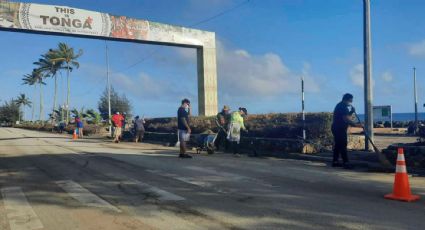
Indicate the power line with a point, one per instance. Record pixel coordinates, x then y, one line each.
91 91
221 13
195 24
149 55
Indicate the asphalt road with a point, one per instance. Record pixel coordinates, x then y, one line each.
50 182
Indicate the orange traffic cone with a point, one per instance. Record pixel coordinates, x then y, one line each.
74 135
401 189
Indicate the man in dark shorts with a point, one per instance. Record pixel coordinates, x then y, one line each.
139 129
342 119
184 130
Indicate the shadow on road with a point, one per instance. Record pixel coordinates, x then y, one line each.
252 206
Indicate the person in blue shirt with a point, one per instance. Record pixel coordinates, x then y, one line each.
342 119
80 126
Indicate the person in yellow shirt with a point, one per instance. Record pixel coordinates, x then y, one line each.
235 127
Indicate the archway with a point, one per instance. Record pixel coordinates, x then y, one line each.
69 21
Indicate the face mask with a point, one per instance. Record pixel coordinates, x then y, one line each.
186 108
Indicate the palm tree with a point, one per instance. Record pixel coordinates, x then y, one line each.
49 66
22 101
80 113
94 116
68 57
36 77
29 80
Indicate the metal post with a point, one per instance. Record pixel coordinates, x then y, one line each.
302 106
415 98
367 73
109 89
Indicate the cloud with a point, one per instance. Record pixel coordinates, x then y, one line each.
147 87
143 85
417 49
311 85
245 75
387 76
357 75
242 74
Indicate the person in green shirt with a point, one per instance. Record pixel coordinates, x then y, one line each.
235 127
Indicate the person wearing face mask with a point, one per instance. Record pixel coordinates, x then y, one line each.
342 119
235 127
184 130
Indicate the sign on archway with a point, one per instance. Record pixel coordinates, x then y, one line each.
69 21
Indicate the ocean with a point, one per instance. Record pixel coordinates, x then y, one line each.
402 116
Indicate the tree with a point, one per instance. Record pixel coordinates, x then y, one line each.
36 77
68 57
94 116
50 67
79 113
22 100
29 80
118 104
9 112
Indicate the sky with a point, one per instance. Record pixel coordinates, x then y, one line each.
263 49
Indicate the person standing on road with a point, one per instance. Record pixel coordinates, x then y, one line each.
80 127
222 121
184 130
342 119
236 124
139 129
117 120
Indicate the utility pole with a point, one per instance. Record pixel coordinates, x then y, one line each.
367 73
109 89
302 106
415 98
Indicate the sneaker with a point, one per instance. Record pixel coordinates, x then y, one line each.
185 156
237 155
336 164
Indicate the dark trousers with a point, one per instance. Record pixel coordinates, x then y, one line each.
235 147
221 138
340 145
139 135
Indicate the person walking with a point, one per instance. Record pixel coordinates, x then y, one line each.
139 129
222 121
117 121
342 119
235 127
184 130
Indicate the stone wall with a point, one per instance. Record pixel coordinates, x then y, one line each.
267 132
414 154
356 142
253 145
276 125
